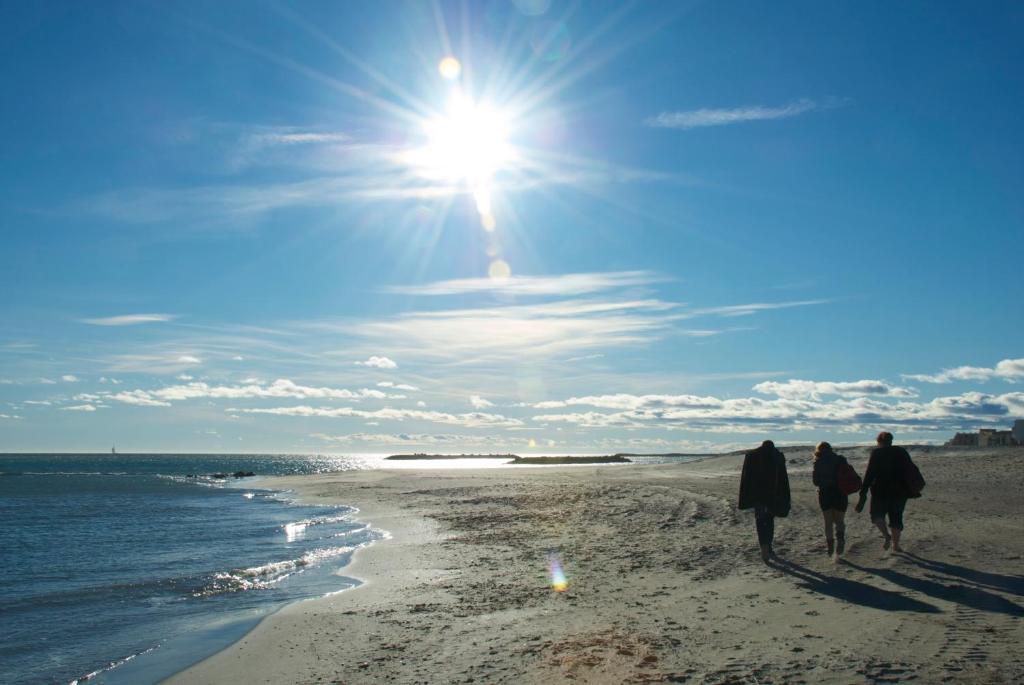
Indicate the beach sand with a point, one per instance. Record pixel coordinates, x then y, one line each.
664 582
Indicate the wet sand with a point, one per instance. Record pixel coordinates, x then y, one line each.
664 582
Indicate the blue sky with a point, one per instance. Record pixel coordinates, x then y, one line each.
648 227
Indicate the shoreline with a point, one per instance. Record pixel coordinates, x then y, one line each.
373 573
663 582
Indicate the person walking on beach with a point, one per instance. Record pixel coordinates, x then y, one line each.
764 487
885 478
831 498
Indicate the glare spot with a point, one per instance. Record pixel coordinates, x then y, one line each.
449 68
499 269
489 224
559 583
533 443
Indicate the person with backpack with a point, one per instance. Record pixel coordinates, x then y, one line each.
764 487
886 477
831 474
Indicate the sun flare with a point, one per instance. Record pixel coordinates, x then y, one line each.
467 143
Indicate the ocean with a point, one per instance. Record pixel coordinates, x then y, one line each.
122 569
126 569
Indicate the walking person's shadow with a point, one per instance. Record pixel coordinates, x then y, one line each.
992 581
973 597
853 591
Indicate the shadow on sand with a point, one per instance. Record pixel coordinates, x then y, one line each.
975 598
991 581
853 591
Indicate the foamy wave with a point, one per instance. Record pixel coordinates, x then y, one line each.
112 665
262 577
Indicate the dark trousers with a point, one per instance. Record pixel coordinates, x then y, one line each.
765 521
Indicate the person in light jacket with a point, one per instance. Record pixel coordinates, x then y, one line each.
764 487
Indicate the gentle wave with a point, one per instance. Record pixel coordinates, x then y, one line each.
262 577
109 667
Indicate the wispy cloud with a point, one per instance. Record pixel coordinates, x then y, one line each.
752 308
129 319
80 407
454 440
280 388
1008 370
378 362
565 285
697 118
549 329
472 419
170 362
69 378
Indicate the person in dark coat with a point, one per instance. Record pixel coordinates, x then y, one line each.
764 487
886 480
832 500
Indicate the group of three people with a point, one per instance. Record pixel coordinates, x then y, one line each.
764 487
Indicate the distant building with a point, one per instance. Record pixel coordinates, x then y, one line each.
964 440
990 437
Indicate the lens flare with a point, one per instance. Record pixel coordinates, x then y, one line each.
449 68
559 583
499 269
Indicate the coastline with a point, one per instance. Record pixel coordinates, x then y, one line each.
664 584
381 565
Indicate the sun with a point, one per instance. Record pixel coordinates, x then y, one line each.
467 144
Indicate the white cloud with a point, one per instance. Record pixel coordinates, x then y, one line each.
421 403
13 417
479 402
80 407
445 439
472 420
280 388
129 319
378 362
753 414
42 403
112 381
397 386
798 389
184 377
238 358
720 117
47 381
1010 370
565 285
68 378
139 398
173 362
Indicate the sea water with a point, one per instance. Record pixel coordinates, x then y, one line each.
124 569
129 568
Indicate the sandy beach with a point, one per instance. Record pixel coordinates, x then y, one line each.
664 581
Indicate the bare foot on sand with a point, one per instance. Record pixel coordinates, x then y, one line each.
887 543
